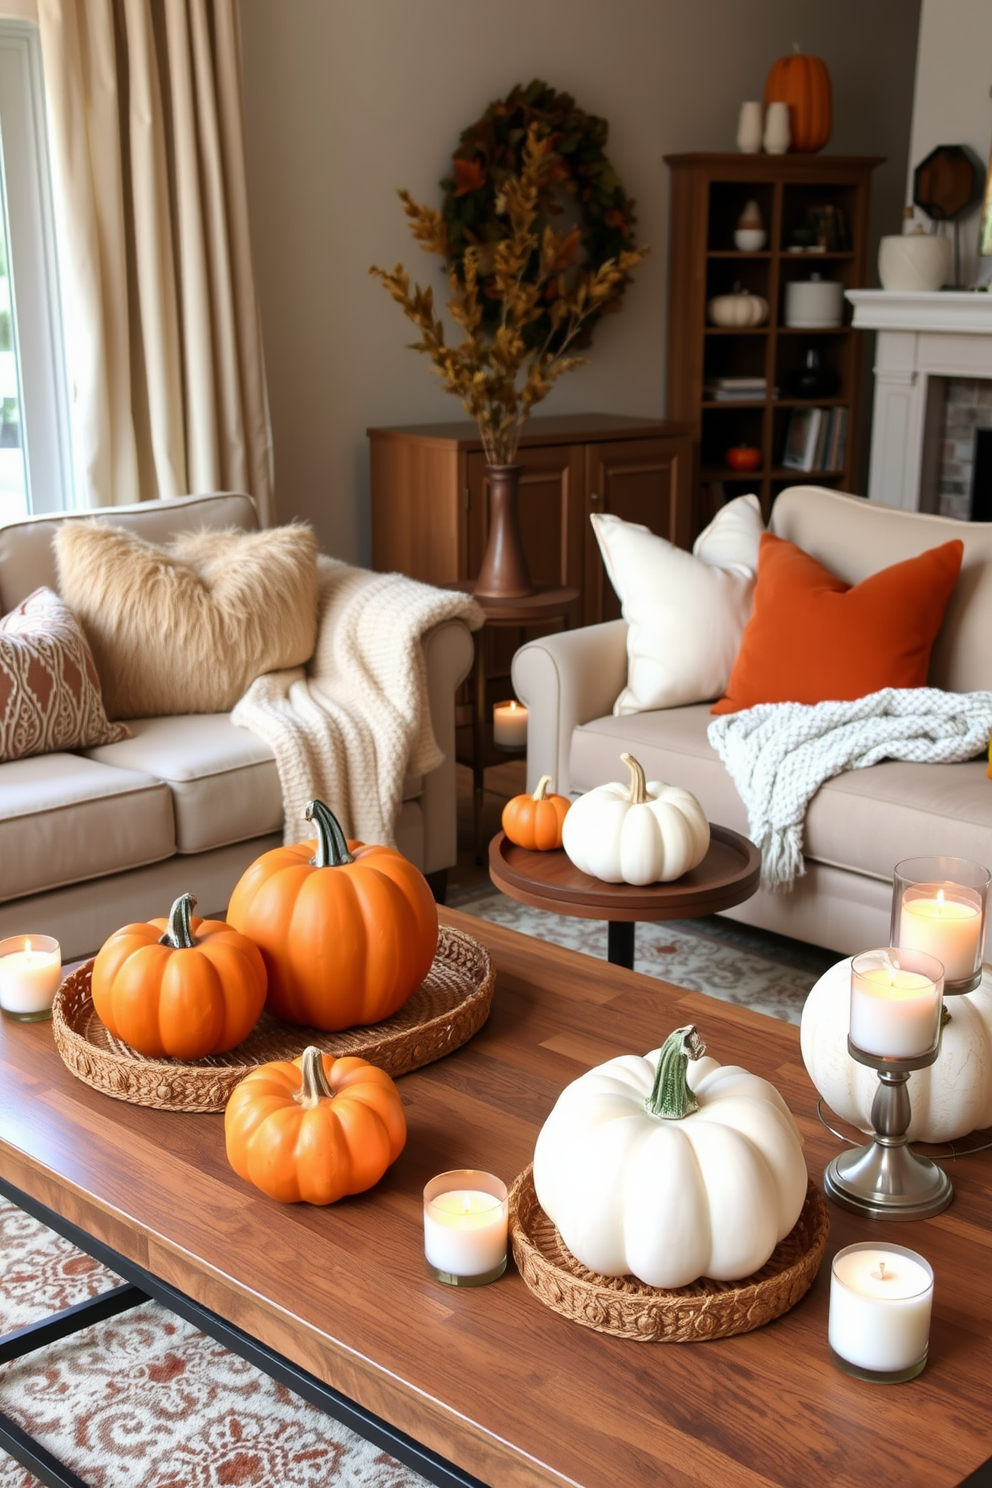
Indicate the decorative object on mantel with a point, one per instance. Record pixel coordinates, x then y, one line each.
777 136
946 184
803 83
914 262
525 294
449 1006
639 1154
750 125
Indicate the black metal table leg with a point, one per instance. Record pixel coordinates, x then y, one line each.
620 943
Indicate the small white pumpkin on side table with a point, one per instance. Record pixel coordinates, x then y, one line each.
671 1167
640 833
949 1099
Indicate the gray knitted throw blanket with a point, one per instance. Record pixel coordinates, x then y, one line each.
355 721
779 754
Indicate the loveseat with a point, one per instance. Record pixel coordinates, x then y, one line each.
92 839
860 823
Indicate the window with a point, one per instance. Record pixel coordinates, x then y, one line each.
35 438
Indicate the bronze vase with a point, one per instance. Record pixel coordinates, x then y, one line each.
504 573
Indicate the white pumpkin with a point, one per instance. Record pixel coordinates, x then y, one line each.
738 309
641 833
671 1167
949 1099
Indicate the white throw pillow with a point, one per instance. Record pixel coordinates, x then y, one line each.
686 612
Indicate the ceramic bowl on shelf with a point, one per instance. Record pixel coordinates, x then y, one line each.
750 239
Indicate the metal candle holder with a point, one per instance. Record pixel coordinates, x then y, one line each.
886 1179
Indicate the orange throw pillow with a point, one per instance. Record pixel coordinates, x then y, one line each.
812 638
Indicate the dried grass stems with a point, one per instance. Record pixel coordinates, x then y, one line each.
499 375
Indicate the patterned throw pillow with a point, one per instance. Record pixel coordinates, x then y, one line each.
49 689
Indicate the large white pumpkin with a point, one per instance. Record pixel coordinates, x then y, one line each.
639 833
949 1099
708 1189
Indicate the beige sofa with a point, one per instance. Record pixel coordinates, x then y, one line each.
861 823
92 840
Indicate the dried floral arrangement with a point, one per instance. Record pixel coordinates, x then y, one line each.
524 296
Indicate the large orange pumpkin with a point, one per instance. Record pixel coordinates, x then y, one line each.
348 931
803 83
534 821
314 1129
181 987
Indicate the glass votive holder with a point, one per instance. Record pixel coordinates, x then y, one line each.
30 974
881 1297
896 999
465 1225
940 905
510 725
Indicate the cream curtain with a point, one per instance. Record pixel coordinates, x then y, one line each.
165 349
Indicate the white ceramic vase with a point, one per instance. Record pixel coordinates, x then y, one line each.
749 128
778 135
915 262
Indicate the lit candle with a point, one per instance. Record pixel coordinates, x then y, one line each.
945 921
465 1227
30 973
895 1003
880 1303
510 725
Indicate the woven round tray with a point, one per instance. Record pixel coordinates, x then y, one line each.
624 1306
449 1006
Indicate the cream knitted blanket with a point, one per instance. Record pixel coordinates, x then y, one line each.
352 724
779 754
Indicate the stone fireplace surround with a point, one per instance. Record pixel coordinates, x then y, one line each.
923 341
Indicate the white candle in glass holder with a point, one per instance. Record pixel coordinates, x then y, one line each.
945 921
881 1298
465 1225
30 973
510 725
895 1012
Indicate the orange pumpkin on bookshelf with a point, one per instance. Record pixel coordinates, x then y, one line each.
803 82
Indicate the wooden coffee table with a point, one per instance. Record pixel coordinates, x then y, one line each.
727 875
488 1385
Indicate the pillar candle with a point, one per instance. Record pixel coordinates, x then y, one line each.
880 1302
465 1227
30 973
895 1010
510 725
945 921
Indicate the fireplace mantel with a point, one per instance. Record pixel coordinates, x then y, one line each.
922 339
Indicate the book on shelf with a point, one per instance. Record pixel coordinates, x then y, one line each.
735 389
816 439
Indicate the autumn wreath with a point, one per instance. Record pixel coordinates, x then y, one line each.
582 194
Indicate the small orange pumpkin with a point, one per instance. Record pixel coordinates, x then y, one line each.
314 1129
803 83
535 821
348 930
181 987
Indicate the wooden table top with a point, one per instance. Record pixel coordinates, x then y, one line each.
489 1377
728 875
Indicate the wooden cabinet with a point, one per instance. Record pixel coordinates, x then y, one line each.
430 504
815 213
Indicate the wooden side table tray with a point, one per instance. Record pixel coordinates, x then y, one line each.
727 875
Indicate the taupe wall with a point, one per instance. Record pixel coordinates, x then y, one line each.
346 100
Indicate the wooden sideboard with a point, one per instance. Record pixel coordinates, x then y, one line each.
430 507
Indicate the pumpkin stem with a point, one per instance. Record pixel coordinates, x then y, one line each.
313 1080
638 785
671 1098
179 934
332 847
542 786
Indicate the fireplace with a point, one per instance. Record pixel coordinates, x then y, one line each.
933 376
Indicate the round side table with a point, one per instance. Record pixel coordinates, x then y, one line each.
727 875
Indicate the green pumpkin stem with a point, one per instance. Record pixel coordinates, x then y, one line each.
332 847
313 1081
638 784
671 1098
179 934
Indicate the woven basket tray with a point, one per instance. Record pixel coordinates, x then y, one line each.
449 1006
624 1306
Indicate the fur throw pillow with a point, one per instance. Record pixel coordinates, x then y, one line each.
187 627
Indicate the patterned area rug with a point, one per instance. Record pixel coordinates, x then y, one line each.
146 1401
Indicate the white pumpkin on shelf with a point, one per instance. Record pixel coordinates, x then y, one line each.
671 1167
949 1099
738 310
639 833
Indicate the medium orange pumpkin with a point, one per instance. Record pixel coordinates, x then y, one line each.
314 1129
182 987
534 821
803 83
348 931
